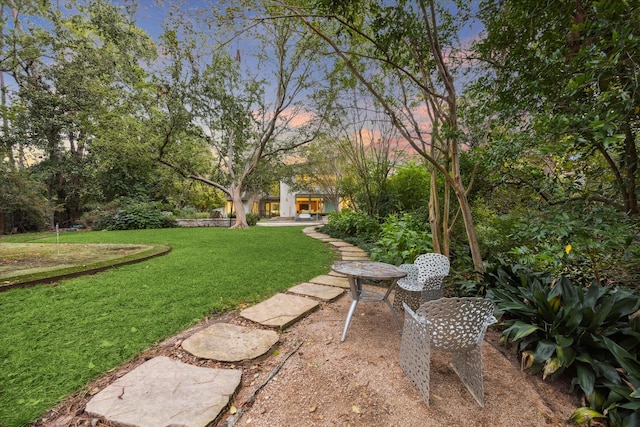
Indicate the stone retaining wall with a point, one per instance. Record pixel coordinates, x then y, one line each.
206 222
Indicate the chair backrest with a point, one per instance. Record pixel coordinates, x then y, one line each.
412 272
432 268
457 323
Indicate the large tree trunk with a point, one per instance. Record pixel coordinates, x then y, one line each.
236 199
472 237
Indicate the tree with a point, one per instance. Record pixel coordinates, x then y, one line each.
562 78
22 204
243 111
72 88
323 167
411 46
21 48
371 147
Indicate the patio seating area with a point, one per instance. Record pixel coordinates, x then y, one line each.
256 385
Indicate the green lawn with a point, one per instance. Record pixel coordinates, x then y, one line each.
55 338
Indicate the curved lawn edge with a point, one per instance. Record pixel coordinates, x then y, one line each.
71 272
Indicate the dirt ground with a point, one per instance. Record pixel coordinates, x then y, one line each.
312 379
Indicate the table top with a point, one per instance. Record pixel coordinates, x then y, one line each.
369 269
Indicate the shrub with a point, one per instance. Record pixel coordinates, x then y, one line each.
352 224
135 216
589 243
402 239
591 333
252 219
187 212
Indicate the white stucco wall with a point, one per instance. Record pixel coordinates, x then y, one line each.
287 201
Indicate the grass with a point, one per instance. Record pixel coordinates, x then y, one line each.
56 338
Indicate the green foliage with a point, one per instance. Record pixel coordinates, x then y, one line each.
22 201
349 224
586 243
136 216
252 219
402 239
80 90
562 97
591 333
189 212
495 231
410 184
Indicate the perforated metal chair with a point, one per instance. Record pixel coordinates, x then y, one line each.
427 285
454 325
410 281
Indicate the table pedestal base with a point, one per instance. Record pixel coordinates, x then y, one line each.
358 294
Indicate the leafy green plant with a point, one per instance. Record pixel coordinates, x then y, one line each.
252 219
402 239
588 243
591 333
136 216
350 224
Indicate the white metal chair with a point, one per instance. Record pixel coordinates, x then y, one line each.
424 281
408 282
454 325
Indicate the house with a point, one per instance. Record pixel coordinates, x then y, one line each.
287 204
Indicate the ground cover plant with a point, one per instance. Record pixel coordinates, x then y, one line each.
590 333
56 338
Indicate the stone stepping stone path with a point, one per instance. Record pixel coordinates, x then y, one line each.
280 311
225 342
324 293
166 392
329 280
355 258
341 244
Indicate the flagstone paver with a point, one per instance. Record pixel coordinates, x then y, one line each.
322 292
317 235
340 244
326 279
355 258
327 239
351 249
166 392
280 310
336 274
225 342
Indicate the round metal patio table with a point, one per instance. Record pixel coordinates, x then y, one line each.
356 271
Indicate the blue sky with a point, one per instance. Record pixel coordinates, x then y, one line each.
151 14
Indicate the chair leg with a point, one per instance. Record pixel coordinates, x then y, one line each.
415 355
468 365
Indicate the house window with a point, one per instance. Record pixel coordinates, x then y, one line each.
272 209
309 204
